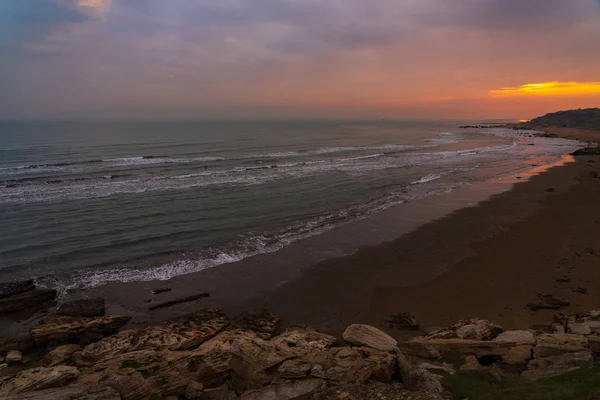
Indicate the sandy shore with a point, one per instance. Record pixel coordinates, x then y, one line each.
492 259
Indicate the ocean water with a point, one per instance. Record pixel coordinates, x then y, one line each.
83 204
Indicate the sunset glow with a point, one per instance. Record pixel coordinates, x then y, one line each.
549 89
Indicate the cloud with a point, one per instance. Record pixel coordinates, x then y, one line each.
549 89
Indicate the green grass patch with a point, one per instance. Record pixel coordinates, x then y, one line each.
131 364
578 385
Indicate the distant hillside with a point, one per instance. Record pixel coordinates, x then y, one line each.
588 118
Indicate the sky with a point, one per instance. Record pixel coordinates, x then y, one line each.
460 59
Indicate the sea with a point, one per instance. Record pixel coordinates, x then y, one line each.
88 203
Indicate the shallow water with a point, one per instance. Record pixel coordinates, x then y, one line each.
87 203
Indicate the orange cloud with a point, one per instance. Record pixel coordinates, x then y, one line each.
549 89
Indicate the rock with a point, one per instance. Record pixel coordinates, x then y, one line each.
490 372
60 354
39 379
553 344
261 322
558 365
473 329
593 174
548 302
550 190
82 308
119 343
365 335
194 390
421 380
13 356
31 299
61 329
286 391
372 391
403 321
69 393
579 329
9 289
516 337
450 349
518 355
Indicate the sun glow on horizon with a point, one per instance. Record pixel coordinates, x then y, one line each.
549 89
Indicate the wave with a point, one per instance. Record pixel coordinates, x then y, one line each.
427 178
237 249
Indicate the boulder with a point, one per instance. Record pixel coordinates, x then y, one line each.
39 379
261 322
579 329
594 343
13 356
286 391
82 308
473 329
68 393
366 335
28 300
61 329
553 344
517 337
60 354
518 355
403 321
558 365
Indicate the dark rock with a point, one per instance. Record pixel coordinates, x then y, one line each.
9 289
580 290
29 300
403 321
566 279
550 190
548 302
261 322
82 308
593 174
179 301
161 290
590 250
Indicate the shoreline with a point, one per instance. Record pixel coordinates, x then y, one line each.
404 251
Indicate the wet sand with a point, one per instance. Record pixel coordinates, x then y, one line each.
491 261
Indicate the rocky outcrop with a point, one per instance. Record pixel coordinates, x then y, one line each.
82 308
23 295
549 344
39 379
517 337
403 321
68 393
61 329
260 322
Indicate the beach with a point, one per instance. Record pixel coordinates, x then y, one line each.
486 254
